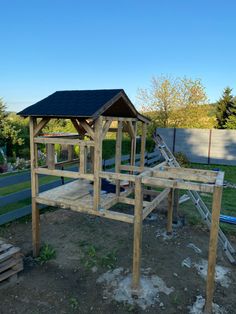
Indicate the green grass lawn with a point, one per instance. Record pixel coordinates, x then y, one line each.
25 185
16 205
8 174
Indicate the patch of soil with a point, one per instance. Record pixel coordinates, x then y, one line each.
87 247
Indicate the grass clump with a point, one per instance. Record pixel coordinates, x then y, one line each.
94 257
47 253
74 304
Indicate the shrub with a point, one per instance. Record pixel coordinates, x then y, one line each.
182 159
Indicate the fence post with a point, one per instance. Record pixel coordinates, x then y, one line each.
209 147
174 136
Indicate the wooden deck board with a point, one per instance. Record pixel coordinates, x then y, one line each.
77 193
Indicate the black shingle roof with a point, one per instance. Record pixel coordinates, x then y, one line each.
84 104
78 103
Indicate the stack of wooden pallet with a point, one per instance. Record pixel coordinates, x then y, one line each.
11 262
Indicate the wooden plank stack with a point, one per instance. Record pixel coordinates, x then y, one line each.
11 261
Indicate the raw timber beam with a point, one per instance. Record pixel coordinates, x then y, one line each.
40 126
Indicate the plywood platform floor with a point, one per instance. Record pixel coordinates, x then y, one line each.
78 196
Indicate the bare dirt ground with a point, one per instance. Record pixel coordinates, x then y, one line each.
87 247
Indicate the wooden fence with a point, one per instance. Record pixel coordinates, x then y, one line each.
202 145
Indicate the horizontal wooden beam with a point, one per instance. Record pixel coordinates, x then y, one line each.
183 175
132 168
148 171
64 173
130 201
153 204
81 208
62 141
209 173
116 176
120 119
201 187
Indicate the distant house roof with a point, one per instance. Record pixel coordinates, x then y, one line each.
84 104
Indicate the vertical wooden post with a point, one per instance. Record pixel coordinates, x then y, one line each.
34 190
118 154
133 146
215 217
50 156
81 159
36 165
137 246
143 145
170 211
176 206
92 158
70 152
97 162
85 158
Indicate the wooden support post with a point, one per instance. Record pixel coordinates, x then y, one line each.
50 156
85 158
36 166
133 146
118 154
215 217
137 248
143 145
97 162
70 152
82 159
34 191
92 158
170 211
176 206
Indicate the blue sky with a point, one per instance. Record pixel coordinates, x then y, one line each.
56 45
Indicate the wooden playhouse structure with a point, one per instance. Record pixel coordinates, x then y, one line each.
93 113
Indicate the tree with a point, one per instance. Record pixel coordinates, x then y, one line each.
195 116
167 98
226 108
8 132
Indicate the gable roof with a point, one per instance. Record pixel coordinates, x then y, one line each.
84 104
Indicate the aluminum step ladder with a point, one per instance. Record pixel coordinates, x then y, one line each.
196 199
